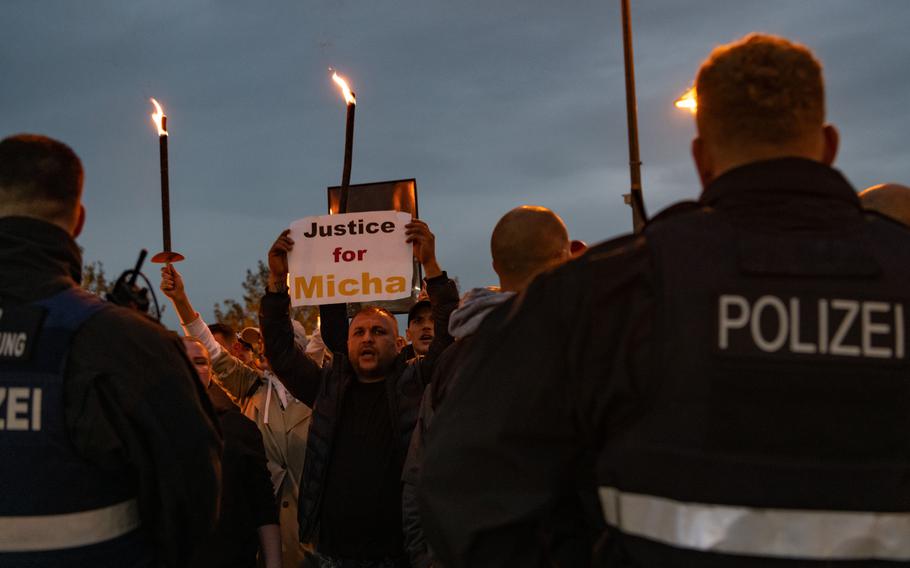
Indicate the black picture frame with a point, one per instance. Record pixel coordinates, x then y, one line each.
393 195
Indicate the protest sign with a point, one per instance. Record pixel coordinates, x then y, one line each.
354 257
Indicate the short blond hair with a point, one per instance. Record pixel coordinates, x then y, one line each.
761 89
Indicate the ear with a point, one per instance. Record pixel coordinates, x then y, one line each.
704 162
577 248
831 143
80 221
407 334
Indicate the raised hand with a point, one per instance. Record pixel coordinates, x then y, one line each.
172 282
172 286
424 241
278 260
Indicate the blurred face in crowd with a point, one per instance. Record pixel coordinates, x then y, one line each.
225 340
199 356
243 351
420 331
372 345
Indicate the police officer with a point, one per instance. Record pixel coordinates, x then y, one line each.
110 453
735 379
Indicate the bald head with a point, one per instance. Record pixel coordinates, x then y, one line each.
526 241
889 199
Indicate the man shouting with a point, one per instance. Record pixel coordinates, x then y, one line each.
364 410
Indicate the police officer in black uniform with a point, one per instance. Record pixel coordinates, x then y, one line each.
735 378
109 453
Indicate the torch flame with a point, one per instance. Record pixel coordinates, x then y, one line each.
348 95
158 118
688 101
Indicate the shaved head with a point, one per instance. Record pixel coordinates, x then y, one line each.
889 199
526 241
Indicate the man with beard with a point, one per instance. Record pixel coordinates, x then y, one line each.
364 409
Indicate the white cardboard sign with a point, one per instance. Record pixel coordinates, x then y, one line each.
354 257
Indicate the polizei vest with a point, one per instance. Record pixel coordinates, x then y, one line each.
779 428
55 508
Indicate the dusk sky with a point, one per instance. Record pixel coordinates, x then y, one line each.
488 105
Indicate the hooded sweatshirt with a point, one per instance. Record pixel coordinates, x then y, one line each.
473 309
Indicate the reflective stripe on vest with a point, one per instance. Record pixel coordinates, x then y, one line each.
785 533
71 530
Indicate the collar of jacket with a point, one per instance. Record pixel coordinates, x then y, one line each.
808 178
37 259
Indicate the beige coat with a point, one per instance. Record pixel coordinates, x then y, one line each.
284 437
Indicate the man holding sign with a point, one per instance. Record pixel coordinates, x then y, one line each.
365 404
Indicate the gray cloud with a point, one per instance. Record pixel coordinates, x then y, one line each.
487 104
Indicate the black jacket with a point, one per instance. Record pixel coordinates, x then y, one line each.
597 344
324 388
132 399
247 497
444 374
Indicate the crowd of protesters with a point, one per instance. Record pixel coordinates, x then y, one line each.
726 387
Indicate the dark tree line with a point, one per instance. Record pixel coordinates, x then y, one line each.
236 313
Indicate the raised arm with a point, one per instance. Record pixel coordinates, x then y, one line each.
290 363
172 286
442 291
233 376
333 326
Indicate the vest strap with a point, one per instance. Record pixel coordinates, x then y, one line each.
783 533
70 530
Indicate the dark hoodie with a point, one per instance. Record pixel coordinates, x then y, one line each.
132 403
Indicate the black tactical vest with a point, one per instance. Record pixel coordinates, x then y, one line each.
56 509
779 432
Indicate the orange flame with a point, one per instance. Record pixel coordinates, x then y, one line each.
348 95
158 118
688 101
